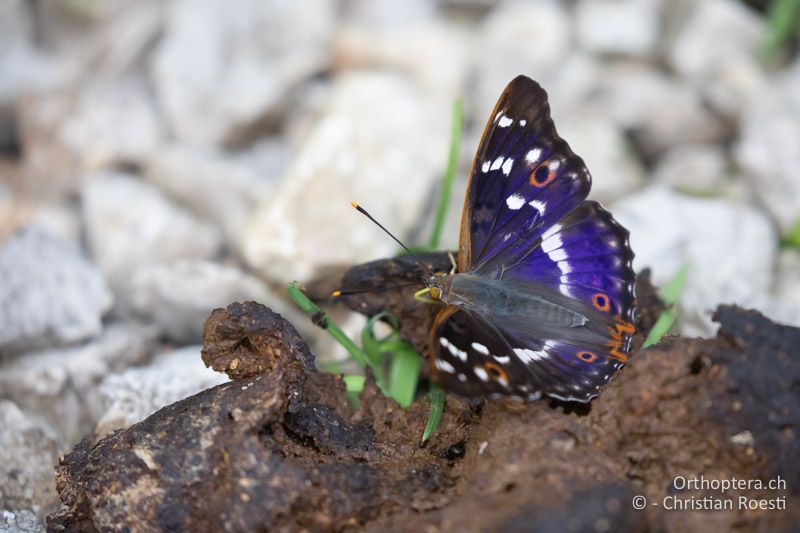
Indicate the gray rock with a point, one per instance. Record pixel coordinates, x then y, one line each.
531 38
733 86
23 67
68 134
178 297
130 224
384 15
23 521
133 395
436 54
219 188
629 27
28 453
60 385
769 147
694 168
606 151
93 128
50 294
211 95
713 34
385 155
659 111
729 249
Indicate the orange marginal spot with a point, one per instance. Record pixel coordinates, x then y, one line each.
601 301
618 331
495 371
587 357
534 175
618 355
336 294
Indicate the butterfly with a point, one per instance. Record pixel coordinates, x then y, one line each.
542 300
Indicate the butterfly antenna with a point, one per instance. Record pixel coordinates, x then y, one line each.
338 293
389 233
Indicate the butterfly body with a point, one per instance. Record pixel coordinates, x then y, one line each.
543 298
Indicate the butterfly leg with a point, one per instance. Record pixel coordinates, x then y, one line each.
452 262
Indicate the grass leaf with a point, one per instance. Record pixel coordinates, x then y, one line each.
353 384
670 294
404 374
320 317
783 19
437 397
792 240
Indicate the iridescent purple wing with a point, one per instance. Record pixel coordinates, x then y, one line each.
525 178
586 256
526 221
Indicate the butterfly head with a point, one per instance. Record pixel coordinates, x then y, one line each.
439 286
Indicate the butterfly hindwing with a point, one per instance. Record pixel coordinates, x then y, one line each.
585 256
475 357
524 178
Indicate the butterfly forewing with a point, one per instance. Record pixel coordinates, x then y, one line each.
524 178
526 223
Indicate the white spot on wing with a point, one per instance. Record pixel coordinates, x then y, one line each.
497 162
507 166
455 352
554 229
523 122
515 201
528 356
538 205
478 347
444 366
481 373
462 378
533 155
505 122
502 359
485 166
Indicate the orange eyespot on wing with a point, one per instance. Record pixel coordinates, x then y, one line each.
587 357
496 373
542 174
601 302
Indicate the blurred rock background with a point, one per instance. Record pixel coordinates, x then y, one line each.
159 159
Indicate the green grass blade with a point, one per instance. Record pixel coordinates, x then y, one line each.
437 397
404 375
449 177
783 19
792 240
353 384
307 306
670 294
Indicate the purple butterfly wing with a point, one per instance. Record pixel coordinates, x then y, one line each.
525 178
526 221
474 357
